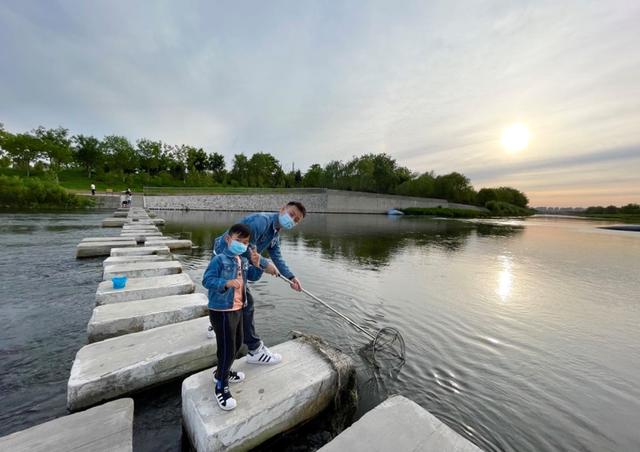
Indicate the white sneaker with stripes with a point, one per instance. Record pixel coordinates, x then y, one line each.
234 377
263 356
224 398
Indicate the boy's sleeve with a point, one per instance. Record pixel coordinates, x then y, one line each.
211 278
276 256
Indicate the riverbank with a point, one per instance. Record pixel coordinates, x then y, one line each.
37 194
316 200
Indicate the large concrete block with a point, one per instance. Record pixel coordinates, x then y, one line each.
124 364
142 269
138 227
107 428
115 238
142 288
399 424
123 318
141 251
174 244
118 260
271 400
141 233
113 222
93 249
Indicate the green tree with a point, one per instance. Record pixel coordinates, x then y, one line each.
630 209
217 166
313 177
119 154
240 170
455 187
22 149
422 185
150 155
197 160
265 171
87 152
176 157
56 147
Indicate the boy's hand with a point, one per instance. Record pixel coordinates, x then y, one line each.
233 283
255 257
295 284
271 269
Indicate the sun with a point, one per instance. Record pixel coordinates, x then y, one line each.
515 138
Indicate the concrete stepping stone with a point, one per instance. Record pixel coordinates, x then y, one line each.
271 400
142 269
114 260
141 233
173 244
108 369
107 428
113 222
93 249
399 424
123 318
142 288
113 238
141 251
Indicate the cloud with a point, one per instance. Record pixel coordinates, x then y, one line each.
431 83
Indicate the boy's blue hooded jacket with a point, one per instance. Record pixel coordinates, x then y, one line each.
222 268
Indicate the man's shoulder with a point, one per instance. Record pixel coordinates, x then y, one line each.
258 218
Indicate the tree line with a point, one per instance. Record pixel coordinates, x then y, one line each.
166 164
629 209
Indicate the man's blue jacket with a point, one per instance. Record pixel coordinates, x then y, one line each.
264 236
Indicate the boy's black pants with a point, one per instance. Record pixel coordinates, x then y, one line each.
228 328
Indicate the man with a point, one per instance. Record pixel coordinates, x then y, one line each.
265 235
93 189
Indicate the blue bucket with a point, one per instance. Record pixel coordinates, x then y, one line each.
119 282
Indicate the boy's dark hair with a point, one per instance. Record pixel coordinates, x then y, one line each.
242 230
300 207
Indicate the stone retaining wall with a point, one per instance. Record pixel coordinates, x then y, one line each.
321 201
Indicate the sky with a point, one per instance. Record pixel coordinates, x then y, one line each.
433 84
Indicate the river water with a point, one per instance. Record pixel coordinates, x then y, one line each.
521 335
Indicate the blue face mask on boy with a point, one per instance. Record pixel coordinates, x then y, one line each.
236 248
286 221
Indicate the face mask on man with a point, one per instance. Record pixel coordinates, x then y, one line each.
286 221
236 248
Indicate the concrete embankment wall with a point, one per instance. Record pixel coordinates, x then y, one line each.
320 201
102 201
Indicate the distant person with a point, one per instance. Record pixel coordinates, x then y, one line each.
93 189
129 200
265 235
128 192
226 280
123 201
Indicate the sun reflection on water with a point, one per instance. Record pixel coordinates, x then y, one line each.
505 279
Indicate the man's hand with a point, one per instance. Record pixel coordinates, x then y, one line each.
271 269
296 285
255 257
233 283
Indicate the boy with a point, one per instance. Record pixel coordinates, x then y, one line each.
226 280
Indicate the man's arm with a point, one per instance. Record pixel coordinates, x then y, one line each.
276 257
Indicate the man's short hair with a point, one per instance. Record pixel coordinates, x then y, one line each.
300 207
241 230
